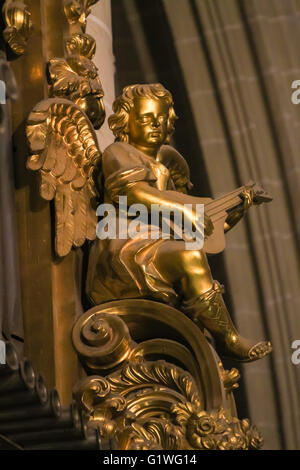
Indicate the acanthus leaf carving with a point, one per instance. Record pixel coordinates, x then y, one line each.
146 406
77 11
18 25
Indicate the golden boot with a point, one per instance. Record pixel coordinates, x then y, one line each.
209 311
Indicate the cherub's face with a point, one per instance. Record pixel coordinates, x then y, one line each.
148 123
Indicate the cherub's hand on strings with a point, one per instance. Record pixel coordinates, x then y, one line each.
247 196
208 226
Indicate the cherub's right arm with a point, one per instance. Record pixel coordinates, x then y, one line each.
127 174
143 193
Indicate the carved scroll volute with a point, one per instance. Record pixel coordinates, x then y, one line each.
102 341
143 403
18 25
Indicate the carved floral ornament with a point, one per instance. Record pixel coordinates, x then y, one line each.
81 44
146 404
18 25
118 406
77 11
181 401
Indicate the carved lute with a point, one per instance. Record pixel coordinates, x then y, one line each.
217 210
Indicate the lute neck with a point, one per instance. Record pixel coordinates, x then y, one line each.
224 203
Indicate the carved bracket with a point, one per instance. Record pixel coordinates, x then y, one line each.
156 405
152 404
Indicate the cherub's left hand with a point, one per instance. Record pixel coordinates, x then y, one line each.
247 196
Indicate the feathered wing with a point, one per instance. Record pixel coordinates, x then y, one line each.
65 152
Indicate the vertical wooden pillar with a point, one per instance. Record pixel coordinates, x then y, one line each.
48 286
50 293
33 214
65 305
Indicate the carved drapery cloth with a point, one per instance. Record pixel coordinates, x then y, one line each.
231 66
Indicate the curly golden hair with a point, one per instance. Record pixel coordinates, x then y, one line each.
124 103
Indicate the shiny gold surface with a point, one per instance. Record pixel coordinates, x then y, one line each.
154 405
157 331
76 79
230 378
65 174
33 216
63 143
18 25
50 298
164 385
77 11
101 341
49 292
81 44
141 166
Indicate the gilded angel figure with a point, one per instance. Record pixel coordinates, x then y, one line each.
142 166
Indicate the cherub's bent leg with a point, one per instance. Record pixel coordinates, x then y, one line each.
189 271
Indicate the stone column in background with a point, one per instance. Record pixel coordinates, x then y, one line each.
99 26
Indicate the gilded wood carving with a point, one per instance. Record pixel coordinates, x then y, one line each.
62 140
118 405
18 25
183 398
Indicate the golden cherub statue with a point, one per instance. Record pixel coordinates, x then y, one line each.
142 166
